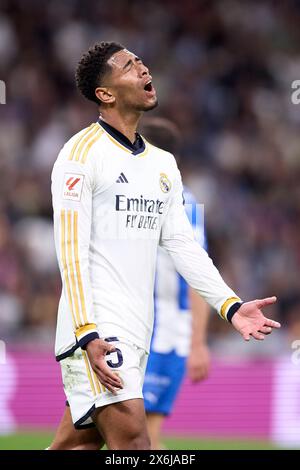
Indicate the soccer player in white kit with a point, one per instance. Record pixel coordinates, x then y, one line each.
115 198
181 318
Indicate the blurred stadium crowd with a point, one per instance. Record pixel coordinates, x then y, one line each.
223 71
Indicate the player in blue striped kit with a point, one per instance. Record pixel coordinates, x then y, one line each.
181 316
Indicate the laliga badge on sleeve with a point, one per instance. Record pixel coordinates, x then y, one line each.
72 187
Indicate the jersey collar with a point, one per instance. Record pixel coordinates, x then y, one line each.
136 148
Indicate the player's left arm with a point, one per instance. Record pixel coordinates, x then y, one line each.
194 264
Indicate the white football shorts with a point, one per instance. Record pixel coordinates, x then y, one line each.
83 390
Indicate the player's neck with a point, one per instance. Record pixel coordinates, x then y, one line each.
126 124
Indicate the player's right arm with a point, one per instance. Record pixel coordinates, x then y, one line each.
72 194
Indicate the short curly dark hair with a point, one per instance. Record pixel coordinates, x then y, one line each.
93 66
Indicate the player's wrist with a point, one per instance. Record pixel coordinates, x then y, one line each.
88 339
86 333
230 306
232 311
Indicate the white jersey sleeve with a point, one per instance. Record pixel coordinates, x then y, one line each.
190 259
72 188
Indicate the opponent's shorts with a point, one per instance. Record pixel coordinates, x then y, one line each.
85 393
164 375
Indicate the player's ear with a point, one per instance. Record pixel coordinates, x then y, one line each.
105 95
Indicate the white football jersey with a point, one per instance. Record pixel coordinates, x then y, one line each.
114 202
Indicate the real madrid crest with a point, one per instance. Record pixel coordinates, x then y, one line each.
165 183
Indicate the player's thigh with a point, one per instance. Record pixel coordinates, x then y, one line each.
123 425
86 395
69 438
121 418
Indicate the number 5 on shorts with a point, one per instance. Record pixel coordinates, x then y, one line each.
119 362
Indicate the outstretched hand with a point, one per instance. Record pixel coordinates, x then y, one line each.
97 350
250 321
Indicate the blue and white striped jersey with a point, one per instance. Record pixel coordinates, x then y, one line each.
172 324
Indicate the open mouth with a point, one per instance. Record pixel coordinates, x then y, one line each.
148 86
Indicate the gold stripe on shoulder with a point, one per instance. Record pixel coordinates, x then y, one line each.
84 141
89 145
79 139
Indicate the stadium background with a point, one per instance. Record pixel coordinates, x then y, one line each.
223 71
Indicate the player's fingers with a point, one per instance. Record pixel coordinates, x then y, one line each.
267 301
272 323
198 374
114 383
106 373
204 372
203 375
257 335
245 335
266 330
108 384
109 348
109 387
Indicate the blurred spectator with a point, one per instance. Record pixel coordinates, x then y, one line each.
223 71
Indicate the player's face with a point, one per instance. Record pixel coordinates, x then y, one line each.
131 82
